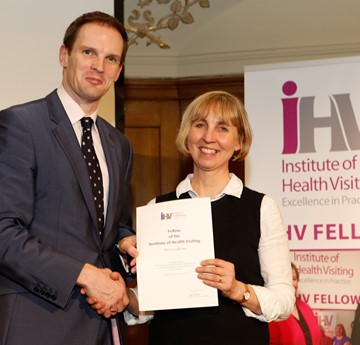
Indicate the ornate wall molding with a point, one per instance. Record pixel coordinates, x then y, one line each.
143 25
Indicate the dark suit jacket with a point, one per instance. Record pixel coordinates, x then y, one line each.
48 227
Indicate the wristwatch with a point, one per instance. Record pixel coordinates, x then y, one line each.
246 295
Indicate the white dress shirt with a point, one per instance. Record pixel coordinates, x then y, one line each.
75 114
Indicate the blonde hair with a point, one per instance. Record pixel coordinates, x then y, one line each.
228 108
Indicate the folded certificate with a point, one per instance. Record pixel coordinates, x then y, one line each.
173 238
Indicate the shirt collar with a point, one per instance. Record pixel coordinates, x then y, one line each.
234 187
73 110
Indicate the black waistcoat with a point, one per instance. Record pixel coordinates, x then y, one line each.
236 227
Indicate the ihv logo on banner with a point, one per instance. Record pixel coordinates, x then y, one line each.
300 122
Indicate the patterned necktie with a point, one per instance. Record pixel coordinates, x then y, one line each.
87 147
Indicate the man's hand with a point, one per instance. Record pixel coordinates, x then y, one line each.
105 290
133 306
128 245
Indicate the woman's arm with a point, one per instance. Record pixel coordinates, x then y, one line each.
277 297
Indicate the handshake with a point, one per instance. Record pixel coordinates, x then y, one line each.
106 290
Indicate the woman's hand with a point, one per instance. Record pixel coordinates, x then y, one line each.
220 274
128 245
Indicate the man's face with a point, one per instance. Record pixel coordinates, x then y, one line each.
93 63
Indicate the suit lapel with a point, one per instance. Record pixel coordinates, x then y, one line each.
113 169
65 135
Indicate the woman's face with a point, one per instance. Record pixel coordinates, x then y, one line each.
212 143
338 331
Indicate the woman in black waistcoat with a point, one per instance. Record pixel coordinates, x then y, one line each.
252 269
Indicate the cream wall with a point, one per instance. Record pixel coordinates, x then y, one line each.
31 33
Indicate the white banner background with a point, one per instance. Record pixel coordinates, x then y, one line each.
305 119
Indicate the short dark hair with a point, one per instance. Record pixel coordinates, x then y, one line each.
98 18
293 266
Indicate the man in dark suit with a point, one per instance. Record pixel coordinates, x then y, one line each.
55 254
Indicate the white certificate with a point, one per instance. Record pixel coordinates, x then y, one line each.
173 237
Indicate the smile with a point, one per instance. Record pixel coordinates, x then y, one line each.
94 81
206 150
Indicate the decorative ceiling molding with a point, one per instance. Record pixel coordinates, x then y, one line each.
187 65
142 25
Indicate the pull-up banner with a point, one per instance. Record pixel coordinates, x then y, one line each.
305 119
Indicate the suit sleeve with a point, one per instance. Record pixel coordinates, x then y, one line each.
125 227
